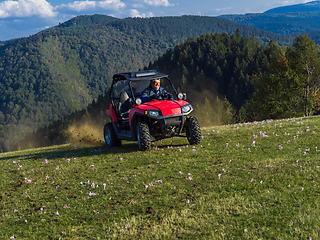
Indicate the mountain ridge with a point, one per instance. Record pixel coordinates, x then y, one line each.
292 19
280 23
313 6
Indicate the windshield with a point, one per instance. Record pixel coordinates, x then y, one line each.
139 86
119 87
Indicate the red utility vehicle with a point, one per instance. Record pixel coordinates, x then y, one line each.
133 120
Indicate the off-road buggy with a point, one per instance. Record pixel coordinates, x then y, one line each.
133 120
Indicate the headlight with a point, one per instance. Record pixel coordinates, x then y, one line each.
186 108
138 101
154 113
182 96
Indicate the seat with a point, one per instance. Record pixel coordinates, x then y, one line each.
124 106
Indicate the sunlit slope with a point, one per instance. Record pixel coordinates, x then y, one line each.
253 180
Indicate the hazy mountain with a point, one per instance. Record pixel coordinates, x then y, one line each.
303 7
280 23
293 19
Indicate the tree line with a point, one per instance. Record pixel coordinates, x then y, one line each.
258 82
290 86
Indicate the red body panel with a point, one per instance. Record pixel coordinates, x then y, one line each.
134 110
110 112
167 107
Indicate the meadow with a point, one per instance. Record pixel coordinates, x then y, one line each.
255 180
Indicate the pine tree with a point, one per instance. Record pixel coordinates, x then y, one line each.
304 57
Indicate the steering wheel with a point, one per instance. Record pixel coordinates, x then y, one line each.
165 96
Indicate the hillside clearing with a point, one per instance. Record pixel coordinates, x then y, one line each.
251 181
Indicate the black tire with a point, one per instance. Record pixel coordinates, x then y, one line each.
110 136
193 131
143 136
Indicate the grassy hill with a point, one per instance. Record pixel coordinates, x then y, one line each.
254 180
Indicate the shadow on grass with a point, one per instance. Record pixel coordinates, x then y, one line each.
67 151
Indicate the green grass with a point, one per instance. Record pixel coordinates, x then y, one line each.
268 189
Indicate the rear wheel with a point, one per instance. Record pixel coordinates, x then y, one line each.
193 131
110 136
143 136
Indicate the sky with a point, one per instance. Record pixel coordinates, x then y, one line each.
22 18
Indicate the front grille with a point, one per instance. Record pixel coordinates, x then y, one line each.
173 120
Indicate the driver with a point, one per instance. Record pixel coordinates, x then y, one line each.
153 91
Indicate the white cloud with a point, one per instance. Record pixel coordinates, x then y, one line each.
136 13
138 5
223 9
26 8
157 3
79 6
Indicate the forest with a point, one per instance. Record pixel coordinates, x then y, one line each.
227 78
47 76
253 81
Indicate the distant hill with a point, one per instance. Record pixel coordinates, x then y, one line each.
86 20
293 19
280 23
63 69
313 6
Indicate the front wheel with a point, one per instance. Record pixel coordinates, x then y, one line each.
143 136
193 131
110 136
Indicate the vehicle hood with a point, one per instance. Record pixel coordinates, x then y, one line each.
167 107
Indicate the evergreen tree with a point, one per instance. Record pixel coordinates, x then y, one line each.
304 57
275 92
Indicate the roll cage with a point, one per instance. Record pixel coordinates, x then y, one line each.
129 78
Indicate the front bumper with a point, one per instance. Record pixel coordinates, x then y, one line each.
167 126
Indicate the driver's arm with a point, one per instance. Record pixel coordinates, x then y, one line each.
146 96
162 90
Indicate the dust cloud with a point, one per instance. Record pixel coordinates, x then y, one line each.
208 107
86 133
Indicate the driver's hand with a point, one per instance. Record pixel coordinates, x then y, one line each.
155 96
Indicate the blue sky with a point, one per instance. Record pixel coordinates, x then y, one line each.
22 18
